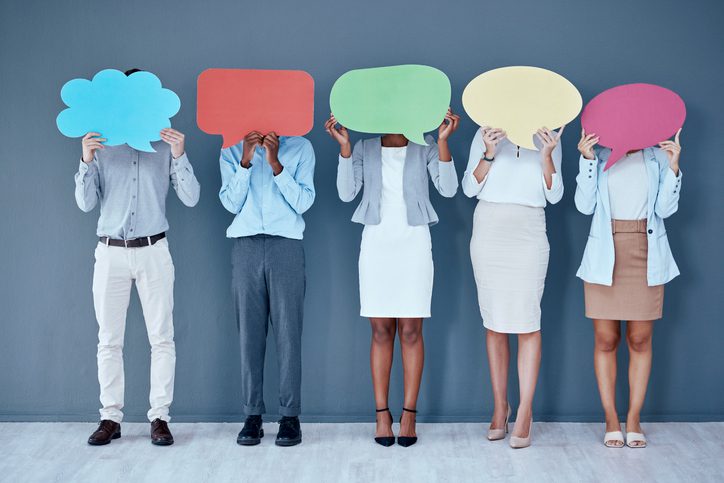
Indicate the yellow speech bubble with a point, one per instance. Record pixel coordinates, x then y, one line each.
521 100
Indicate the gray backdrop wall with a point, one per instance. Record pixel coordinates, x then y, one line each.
47 325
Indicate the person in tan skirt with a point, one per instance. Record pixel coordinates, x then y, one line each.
509 252
626 262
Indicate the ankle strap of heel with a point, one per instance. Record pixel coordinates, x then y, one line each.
381 410
410 410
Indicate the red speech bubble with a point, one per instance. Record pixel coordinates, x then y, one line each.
234 102
632 117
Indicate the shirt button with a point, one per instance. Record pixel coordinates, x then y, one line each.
134 162
650 231
134 179
131 229
589 175
133 196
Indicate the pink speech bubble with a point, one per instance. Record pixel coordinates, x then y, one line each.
632 117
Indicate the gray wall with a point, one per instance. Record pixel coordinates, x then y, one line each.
47 326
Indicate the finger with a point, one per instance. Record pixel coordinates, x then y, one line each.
583 132
560 131
91 134
676 138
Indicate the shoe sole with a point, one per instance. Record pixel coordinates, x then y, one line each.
289 442
94 443
162 443
251 441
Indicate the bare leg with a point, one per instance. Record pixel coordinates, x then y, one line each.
498 360
413 359
638 336
607 335
529 353
381 352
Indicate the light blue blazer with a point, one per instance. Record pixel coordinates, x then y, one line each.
592 198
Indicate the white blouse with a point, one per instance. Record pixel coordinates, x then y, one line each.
516 175
628 187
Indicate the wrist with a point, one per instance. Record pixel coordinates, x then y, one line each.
489 153
345 150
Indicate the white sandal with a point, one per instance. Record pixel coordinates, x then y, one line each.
610 437
635 438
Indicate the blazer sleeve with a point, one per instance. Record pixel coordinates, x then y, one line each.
442 173
471 187
667 199
555 194
350 173
587 185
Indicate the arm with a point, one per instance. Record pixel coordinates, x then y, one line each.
184 181
667 199
477 169
587 185
350 174
234 182
442 173
87 185
298 190
552 167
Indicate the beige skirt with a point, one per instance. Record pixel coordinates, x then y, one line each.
509 250
629 297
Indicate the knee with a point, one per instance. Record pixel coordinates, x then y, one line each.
383 335
607 342
410 335
639 342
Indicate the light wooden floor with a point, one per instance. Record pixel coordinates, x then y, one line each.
45 452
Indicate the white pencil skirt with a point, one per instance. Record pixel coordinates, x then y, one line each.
509 250
395 267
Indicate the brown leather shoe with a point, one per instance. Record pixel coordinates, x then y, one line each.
160 434
107 430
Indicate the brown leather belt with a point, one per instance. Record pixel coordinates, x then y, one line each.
628 226
135 243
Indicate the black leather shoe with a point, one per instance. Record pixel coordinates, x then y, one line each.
407 440
160 434
290 433
251 433
385 440
107 431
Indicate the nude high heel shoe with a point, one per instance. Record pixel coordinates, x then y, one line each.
518 442
497 434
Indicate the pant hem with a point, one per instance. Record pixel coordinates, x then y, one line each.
289 412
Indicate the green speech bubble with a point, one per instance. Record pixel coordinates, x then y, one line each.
400 99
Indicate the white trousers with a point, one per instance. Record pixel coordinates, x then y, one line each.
115 270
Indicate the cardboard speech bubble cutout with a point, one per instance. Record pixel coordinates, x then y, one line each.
123 109
234 102
633 116
400 99
520 100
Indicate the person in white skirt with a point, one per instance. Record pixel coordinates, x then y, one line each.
509 251
395 262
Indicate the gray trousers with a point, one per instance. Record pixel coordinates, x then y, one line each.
268 284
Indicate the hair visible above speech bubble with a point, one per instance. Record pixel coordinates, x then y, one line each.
234 102
520 100
401 99
632 117
124 109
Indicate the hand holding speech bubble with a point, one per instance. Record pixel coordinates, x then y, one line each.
520 100
123 109
633 116
234 102
400 99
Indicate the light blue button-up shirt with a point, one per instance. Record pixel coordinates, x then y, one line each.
264 203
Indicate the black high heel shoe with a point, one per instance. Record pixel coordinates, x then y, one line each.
406 441
385 440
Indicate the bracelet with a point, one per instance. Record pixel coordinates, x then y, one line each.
490 160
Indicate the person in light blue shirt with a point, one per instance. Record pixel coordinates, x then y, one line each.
267 182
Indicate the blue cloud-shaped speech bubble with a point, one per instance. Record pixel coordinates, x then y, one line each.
123 109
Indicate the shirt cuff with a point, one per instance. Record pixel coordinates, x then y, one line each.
180 163
283 178
555 181
588 167
85 168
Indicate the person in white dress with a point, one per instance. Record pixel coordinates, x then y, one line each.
395 262
509 252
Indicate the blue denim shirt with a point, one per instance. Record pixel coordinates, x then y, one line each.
592 198
264 203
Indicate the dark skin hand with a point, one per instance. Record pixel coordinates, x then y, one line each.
251 141
270 142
